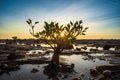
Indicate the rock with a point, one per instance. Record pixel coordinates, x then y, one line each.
67 68
82 74
77 78
102 78
6 68
34 70
89 78
65 76
62 76
105 78
93 50
72 65
47 52
55 78
107 73
59 75
84 47
38 45
13 56
39 53
5 65
106 47
93 72
86 58
78 49
38 65
117 75
93 60
112 67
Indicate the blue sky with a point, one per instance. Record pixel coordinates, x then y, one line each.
101 16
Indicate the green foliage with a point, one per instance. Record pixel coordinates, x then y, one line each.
59 35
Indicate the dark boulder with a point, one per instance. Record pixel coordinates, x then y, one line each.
34 70
112 67
13 56
107 73
93 72
106 47
77 78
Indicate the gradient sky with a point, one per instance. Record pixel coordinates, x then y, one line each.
101 16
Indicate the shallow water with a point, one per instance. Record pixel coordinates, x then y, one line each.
81 66
25 74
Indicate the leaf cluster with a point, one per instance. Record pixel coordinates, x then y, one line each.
52 32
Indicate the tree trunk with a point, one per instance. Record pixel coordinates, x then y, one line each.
55 57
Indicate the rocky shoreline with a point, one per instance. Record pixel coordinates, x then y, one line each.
12 56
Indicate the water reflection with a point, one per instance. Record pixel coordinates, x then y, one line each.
82 62
7 68
81 67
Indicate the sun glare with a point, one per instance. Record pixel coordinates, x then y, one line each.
62 34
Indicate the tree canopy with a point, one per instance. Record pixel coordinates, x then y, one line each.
57 35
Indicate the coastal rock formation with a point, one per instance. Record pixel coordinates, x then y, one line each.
107 73
77 78
34 70
94 72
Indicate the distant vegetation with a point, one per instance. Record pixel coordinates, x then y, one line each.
14 37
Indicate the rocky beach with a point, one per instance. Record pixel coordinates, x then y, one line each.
89 61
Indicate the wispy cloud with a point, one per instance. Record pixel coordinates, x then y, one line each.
98 19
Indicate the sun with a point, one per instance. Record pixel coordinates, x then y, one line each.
62 34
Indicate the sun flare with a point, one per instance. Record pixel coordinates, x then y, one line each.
62 34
